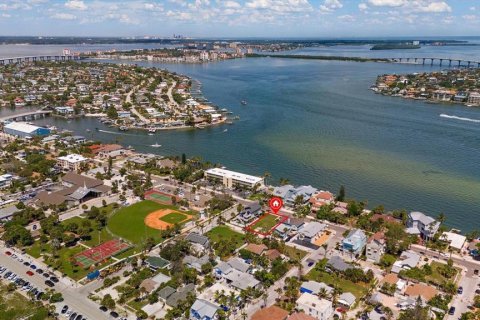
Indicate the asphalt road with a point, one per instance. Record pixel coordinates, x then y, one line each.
72 297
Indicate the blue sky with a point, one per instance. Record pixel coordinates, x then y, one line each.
240 18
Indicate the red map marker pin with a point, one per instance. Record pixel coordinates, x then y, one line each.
275 204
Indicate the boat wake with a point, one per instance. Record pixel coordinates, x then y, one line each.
443 115
117 133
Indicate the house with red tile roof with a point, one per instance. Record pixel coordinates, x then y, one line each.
270 313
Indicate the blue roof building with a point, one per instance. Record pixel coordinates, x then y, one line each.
355 242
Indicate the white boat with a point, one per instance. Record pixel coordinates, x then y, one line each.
156 145
150 134
225 130
152 130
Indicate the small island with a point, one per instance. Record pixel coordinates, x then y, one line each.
396 46
449 86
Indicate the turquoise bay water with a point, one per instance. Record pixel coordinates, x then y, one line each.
316 122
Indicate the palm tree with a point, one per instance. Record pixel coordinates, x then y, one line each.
266 176
441 218
322 293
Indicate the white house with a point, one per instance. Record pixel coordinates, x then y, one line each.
312 305
421 224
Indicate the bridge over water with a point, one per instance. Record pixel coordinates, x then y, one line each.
39 58
438 61
26 116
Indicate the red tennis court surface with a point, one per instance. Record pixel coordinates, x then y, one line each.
99 253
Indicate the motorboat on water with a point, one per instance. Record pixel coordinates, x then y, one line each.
156 145
244 102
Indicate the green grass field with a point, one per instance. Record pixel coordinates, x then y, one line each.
266 223
174 217
357 290
128 223
221 233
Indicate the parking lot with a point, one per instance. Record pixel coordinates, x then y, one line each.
29 277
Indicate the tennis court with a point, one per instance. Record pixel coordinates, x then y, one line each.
99 253
158 196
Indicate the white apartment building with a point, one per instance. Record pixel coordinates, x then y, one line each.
232 179
71 162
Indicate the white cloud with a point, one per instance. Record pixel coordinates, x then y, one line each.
76 5
64 16
330 5
362 6
232 5
470 17
425 6
435 7
346 18
387 3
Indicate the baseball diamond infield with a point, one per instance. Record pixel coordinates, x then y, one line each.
165 218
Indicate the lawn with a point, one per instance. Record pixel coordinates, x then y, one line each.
266 223
345 285
174 217
294 253
96 236
128 223
221 233
436 277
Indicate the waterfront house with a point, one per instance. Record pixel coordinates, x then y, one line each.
290 194
355 242
320 199
421 224
375 247
314 306
474 98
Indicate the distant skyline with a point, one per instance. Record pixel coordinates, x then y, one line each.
236 18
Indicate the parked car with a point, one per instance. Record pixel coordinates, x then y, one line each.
8 253
49 283
114 314
477 291
64 309
451 311
103 308
26 263
460 290
39 271
30 273
33 266
73 315
54 279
